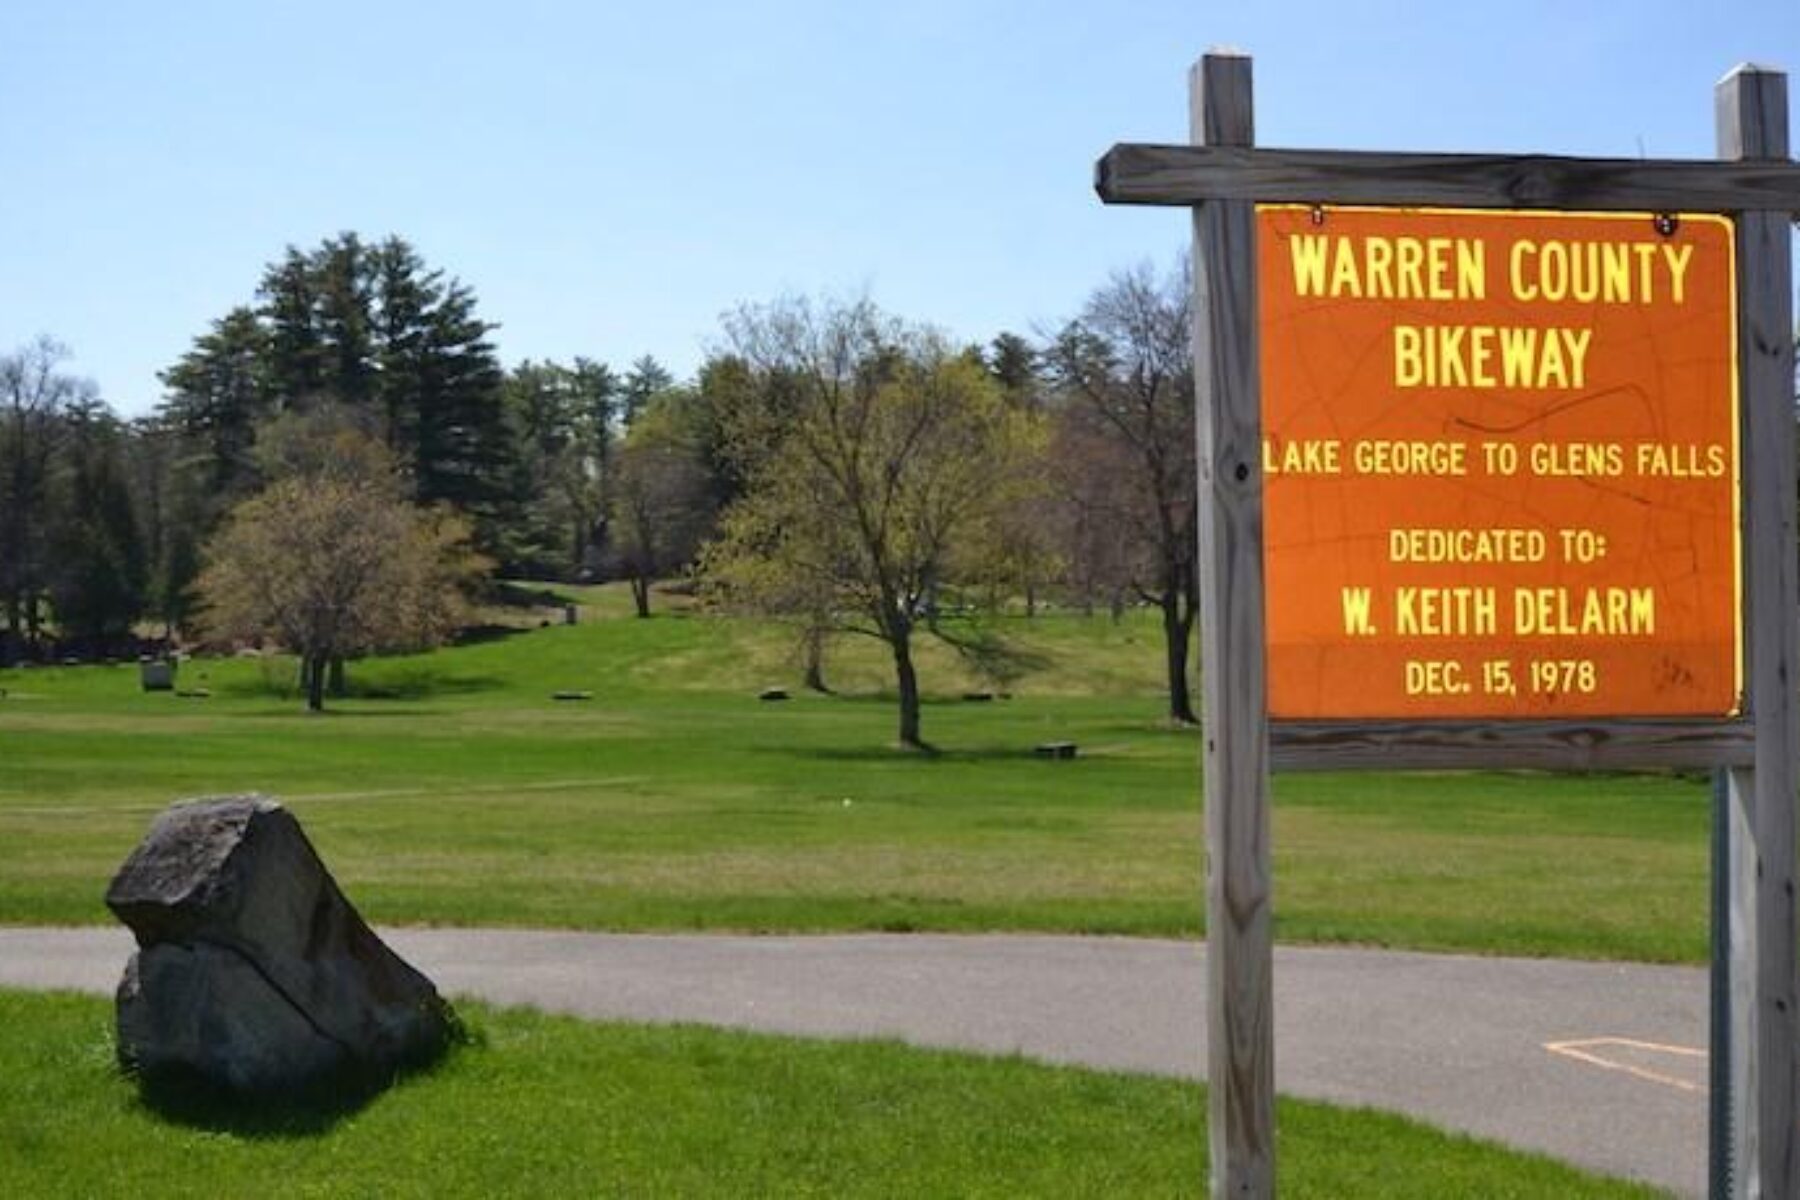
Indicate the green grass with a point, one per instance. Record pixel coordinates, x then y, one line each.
551 1106
454 790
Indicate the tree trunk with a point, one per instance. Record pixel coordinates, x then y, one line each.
909 691
13 642
334 682
1176 627
315 683
640 594
812 649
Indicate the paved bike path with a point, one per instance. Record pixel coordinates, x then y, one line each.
1595 1063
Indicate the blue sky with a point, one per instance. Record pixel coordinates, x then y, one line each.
609 178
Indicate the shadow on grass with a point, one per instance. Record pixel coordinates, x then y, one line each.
333 711
420 685
1140 727
415 684
895 753
479 635
510 594
196 1103
186 1098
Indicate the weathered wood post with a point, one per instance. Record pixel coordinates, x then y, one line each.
1555 678
1751 106
1228 428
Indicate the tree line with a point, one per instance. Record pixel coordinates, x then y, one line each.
850 471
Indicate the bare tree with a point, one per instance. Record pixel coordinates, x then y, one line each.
1095 497
1126 363
660 503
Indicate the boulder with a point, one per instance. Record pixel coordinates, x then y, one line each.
253 971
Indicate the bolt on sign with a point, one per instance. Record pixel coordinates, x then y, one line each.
1500 463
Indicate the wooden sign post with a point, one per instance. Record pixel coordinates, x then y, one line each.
1496 469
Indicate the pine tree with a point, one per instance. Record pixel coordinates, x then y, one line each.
294 358
100 566
1014 366
343 282
461 452
218 393
369 327
646 378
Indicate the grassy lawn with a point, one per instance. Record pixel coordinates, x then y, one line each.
541 1105
454 789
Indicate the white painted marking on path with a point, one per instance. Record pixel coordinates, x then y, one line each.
1587 1050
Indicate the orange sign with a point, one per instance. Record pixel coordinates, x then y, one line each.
1500 463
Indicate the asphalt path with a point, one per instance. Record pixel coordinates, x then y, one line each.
1599 1064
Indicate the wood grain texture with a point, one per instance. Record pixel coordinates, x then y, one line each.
1760 853
1222 176
1240 937
1609 745
1187 175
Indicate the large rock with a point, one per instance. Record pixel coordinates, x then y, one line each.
253 970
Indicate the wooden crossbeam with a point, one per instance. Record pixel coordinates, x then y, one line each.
1597 745
1187 175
